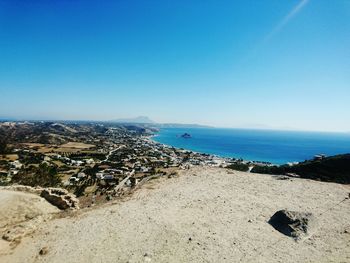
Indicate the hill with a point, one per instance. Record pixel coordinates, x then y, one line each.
330 169
203 215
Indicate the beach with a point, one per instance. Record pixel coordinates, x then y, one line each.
203 215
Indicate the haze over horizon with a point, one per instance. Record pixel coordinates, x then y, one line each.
249 64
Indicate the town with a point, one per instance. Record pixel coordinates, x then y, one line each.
97 162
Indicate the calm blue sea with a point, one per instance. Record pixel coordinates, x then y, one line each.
277 147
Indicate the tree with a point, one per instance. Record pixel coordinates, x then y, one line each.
3 146
45 175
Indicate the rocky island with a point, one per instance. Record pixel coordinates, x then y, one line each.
186 135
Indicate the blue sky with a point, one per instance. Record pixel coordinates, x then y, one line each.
256 64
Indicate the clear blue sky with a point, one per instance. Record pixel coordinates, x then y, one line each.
269 64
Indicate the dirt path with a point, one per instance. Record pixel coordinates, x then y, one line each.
204 215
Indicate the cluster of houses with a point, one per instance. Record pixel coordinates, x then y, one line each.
131 157
15 166
127 157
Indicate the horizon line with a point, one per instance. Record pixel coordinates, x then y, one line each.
2 119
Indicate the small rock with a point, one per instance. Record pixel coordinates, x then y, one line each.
6 237
43 251
190 239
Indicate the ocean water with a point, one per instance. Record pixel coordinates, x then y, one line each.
277 147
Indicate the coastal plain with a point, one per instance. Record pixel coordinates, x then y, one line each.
202 215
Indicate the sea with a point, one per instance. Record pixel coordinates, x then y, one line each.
276 147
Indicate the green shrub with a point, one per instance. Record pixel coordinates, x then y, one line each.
239 167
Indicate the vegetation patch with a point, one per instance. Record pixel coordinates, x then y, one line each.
330 169
44 175
239 167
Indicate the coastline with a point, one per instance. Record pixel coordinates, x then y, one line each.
256 146
171 197
223 158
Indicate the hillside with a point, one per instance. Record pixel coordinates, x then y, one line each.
330 169
203 215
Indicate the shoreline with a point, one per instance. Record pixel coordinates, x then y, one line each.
151 137
254 146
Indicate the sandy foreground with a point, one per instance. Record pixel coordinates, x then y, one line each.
204 215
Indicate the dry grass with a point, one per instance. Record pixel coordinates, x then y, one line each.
77 145
65 177
58 163
9 157
45 149
70 147
32 145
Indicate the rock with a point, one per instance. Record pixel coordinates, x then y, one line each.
282 177
186 135
7 237
291 223
60 198
43 251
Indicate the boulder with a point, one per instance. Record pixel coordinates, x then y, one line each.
60 198
292 224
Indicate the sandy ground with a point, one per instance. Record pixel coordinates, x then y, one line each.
204 215
20 215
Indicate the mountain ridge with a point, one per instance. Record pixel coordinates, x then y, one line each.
139 119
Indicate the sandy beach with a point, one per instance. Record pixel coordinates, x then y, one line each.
203 215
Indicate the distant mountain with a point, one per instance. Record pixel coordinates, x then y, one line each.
180 125
144 120
139 120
